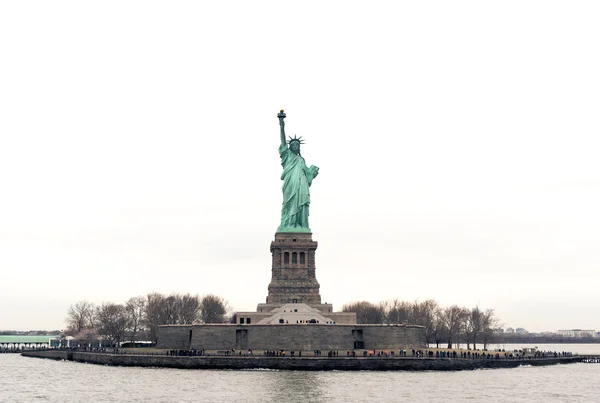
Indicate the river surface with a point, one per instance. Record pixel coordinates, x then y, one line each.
26 380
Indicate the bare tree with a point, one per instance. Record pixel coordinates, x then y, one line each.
440 331
213 309
188 308
87 336
425 314
80 316
136 307
92 317
473 326
454 318
397 311
367 312
177 309
113 319
489 324
154 313
170 310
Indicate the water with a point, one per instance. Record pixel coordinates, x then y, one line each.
28 380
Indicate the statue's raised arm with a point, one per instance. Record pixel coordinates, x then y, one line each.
281 116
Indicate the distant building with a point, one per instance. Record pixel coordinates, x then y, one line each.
520 330
510 330
576 333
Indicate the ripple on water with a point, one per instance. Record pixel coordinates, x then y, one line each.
28 380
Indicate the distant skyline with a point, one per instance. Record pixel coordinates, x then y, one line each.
457 144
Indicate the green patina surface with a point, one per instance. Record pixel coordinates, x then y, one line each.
26 338
297 178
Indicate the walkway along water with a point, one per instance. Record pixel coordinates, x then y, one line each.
315 363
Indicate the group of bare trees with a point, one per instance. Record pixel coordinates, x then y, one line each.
87 321
450 325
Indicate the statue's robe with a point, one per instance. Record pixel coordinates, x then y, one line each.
296 196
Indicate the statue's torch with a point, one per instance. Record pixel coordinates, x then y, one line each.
281 116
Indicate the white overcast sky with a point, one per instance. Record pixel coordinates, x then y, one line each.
457 143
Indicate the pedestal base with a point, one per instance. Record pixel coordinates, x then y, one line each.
293 278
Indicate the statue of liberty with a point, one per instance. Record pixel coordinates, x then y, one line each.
297 178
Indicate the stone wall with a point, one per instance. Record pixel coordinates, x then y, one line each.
52 354
177 335
342 318
288 337
213 337
295 363
384 337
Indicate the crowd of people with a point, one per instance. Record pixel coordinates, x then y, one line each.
414 353
185 353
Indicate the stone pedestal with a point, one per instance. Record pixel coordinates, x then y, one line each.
293 277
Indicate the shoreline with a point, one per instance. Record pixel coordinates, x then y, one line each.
298 363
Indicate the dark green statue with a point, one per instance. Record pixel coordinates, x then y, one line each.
297 178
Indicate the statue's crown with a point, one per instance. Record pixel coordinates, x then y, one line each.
298 139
